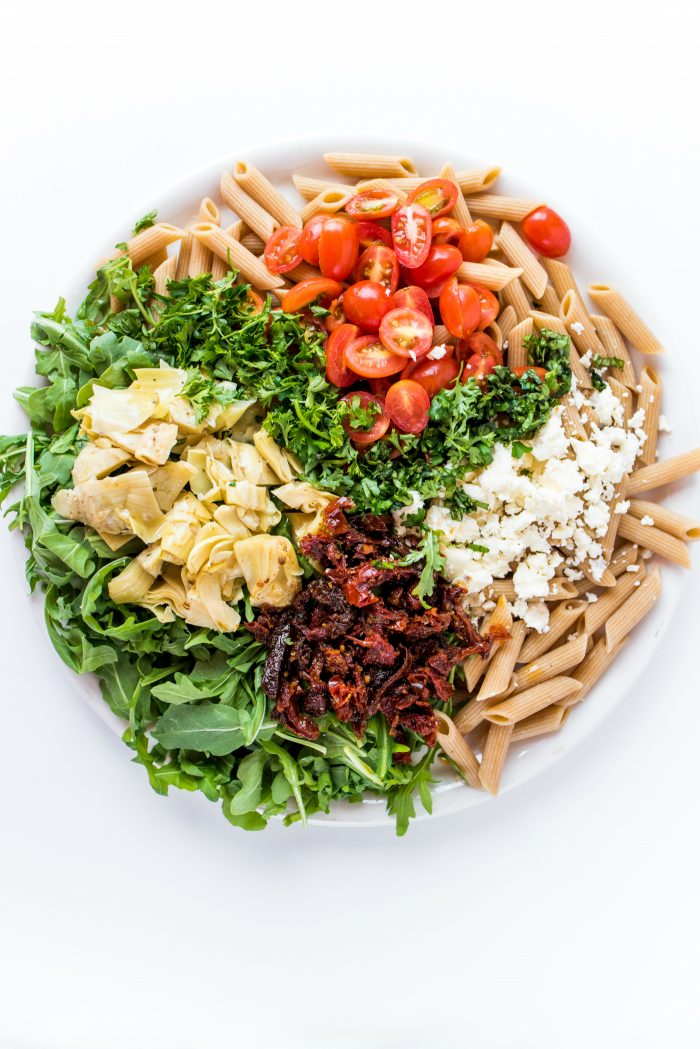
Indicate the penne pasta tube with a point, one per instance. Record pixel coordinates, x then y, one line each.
615 347
501 588
152 240
327 203
155 260
663 544
517 252
549 301
623 557
562 619
511 209
199 259
624 395
252 242
665 472
521 705
560 589
500 669
223 245
649 401
183 256
596 613
460 209
633 611
238 230
475 666
517 351
513 295
494 332
579 325
477 180
685 528
561 277
507 319
546 320
441 335
551 719
392 185
303 272
494 756
612 303
370 165
552 663
311 187
254 183
456 747
247 209
165 272
493 277
208 211
219 268
571 419
608 540
592 669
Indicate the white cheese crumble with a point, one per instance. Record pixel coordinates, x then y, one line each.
592 598
622 507
437 353
632 568
664 425
577 327
646 520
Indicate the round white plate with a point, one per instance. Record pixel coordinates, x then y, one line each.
179 204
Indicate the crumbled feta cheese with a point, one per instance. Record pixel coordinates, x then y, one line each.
591 597
437 352
577 327
652 398
663 424
646 520
636 583
403 512
622 506
572 637
646 554
587 358
632 568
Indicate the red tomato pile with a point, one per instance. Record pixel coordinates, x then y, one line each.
386 267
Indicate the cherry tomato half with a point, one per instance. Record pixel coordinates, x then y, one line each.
489 305
379 264
365 303
408 406
308 243
478 367
441 262
337 315
416 299
437 195
282 249
411 233
380 386
368 357
361 400
460 308
307 291
520 371
373 204
255 301
406 332
337 370
547 232
337 248
478 342
446 230
369 233
476 241
433 375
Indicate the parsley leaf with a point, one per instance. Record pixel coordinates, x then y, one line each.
147 220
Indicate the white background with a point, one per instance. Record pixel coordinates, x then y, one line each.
563 914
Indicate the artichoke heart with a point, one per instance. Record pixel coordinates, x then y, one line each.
270 569
247 464
152 444
116 505
273 454
97 459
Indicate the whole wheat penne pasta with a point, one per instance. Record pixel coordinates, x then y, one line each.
441 335
254 183
685 528
477 180
494 332
615 346
252 269
561 620
303 272
579 325
491 205
500 670
612 303
649 401
596 614
500 618
501 588
252 242
551 719
246 208
219 266
561 277
392 185
155 260
183 256
238 230
633 611
549 301
552 663
608 540
624 396
370 165
591 670
494 756
604 578
560 589
326 203
514 295
493 277
406 184
665 472
460 209
523 704
311 187
571 419
507 319
547 320
517 252
456 747
663 544
219 269
165 272
208 211
627 554
152 240
517 350
199 259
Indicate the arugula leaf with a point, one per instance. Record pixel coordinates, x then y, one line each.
434 563
211 727
400 801
147 220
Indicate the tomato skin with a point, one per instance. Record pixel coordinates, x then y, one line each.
337 248
415 299
478 367
365 303
255 301
520 371
282 249
406 332
337 370
460 308
489 305
411 233
379 264
308 242
437 195
408 406
547 232
373 204
368 357
379 426
442 261
433 375
369 233
446 230
307 291
476 241
337 315
379 387
478 342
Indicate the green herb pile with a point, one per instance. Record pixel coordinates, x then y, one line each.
195 713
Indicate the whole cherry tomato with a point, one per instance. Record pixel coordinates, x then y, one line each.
442 261
489 305
362 401
337 370
433 375
478 367
406 332
460 308
307 291
416 299
547 232
372 204
365 303
411 232
446 230
337 248
379 264
437 195
369 233
282 249
368 357
308 242
478 342
476 241
408 406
